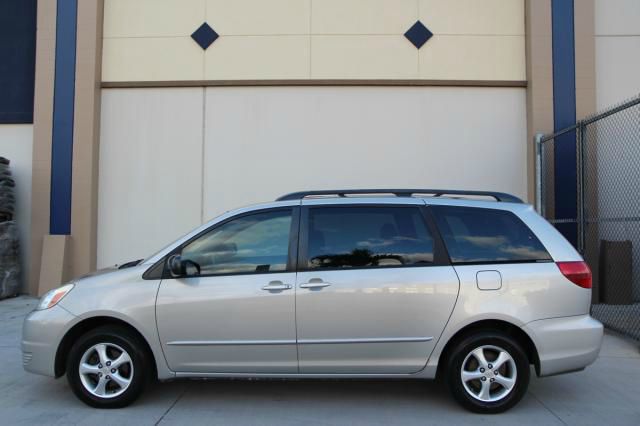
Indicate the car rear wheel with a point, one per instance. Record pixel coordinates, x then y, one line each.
488 372
106 367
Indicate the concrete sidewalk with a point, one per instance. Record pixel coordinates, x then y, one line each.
608 392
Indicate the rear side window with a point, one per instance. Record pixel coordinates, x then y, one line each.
367 236
474 235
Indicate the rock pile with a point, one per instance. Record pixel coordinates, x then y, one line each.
9 243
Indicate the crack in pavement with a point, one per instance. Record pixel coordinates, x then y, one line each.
547 408
171 406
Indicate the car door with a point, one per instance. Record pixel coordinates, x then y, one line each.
238 314
375 288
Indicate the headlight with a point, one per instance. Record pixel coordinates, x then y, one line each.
51 298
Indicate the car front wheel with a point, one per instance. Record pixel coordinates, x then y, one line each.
106 367
488 372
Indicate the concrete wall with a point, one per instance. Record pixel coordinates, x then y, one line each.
16 143
617 31
149 40
172 158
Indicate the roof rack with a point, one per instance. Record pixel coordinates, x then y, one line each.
498 196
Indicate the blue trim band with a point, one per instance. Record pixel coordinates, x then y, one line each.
564 115
63 107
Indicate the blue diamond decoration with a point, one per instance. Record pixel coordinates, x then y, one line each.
418 34
204 36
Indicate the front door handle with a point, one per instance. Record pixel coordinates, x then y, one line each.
315 283
276 286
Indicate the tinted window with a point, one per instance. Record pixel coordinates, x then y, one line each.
255 243
356 237
474 235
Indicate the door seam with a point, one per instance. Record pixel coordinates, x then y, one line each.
295 287
155 312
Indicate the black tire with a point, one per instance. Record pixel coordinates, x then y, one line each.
462 351
138 374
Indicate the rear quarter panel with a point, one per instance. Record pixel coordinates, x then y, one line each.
529 292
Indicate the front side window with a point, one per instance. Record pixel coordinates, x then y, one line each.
475 235
367 236
257 243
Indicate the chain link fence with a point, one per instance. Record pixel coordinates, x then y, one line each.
600 210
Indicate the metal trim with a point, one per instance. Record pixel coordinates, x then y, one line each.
300 341
234 375
230 342
364 340
313 82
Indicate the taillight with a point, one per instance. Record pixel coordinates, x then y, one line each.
578 273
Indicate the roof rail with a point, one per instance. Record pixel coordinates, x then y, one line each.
498 196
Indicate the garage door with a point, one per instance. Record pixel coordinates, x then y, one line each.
173 158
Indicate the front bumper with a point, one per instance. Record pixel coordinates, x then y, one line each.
565 344
42 332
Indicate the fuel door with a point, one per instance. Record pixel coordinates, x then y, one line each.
489 280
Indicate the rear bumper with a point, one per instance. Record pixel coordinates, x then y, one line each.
42 332
565 344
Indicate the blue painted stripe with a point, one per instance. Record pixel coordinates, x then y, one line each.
564 114
63 107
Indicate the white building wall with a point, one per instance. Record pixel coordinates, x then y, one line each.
160 175
16 143
149 188
262 143
617 30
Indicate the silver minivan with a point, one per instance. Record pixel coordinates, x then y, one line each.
470 287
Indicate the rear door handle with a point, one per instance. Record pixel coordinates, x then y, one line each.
276 286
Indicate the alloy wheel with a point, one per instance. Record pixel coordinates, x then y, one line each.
106 370
488 373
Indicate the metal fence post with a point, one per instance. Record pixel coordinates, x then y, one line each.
580 183
538 146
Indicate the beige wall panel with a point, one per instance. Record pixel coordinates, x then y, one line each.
151 59
148 40
617 17
152 18
267 57
491 17
585 58
42 130
55 263
86 132
150 170
365 57
363 16
617 69
259 17
617 29
16 144
473 58
303 138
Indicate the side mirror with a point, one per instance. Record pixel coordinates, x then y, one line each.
179 267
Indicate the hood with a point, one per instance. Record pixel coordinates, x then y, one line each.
111 269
